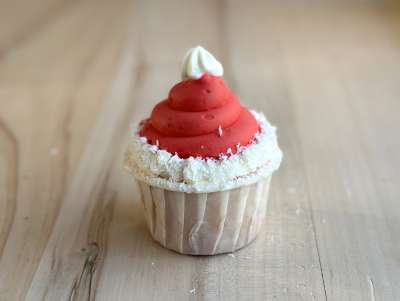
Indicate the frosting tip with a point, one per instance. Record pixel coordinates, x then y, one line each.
198 61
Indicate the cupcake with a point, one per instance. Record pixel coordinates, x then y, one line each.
203 163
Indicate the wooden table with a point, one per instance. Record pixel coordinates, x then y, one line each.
74 74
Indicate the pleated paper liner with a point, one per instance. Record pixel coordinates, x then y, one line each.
205 223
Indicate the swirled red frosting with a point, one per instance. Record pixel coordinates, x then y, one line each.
200 118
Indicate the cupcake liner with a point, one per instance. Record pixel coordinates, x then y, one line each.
205 223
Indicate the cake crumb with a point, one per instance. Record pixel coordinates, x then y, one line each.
220 132
202 146
193 291
54 151
372 288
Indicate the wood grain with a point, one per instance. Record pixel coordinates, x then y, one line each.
74 74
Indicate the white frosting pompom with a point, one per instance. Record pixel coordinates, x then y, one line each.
198 61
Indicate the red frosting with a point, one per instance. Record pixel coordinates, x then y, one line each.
200 118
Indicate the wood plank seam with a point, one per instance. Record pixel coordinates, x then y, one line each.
317 246
9 142
311 209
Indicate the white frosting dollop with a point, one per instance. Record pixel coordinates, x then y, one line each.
198 61
160 168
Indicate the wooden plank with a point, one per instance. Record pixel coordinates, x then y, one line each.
73 229
335 105
52 89
352 231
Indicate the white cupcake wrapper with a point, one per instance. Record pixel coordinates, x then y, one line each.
205 223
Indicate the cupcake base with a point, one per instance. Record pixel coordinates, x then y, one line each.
205 223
